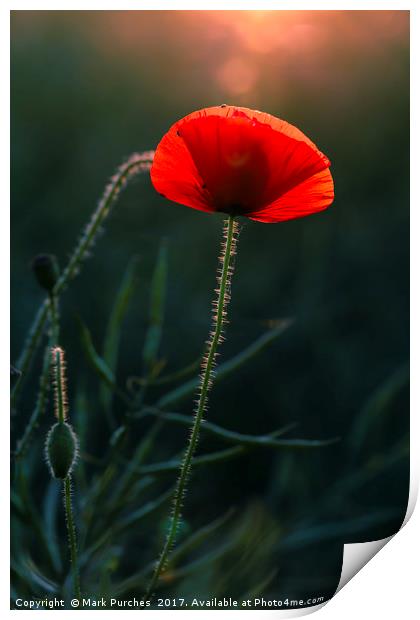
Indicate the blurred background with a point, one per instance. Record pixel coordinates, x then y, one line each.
88 89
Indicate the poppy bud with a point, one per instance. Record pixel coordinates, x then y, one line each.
61 450
45 268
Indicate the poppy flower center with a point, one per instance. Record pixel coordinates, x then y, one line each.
230 159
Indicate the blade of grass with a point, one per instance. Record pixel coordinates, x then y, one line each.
29 348
127 522
22 585
129 475
99 365
171 465
139 579
224 455
376 406
121 503
39 577
51 505
134 517
33 515
349 485
96 497
28 572
171 377
81 410
260 587
226 368
40 405
226 435
113 330
199 536
198 564
334 530
156 310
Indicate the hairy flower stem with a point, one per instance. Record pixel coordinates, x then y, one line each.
71 530
139 162
222 300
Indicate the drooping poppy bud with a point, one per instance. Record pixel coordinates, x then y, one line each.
45 268
61 450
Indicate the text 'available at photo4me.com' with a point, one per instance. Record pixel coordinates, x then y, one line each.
169 603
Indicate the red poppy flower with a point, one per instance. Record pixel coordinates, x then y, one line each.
242 162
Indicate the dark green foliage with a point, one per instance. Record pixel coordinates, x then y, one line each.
114 329
156 311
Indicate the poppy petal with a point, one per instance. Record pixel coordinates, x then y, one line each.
313 195
175 175
289 162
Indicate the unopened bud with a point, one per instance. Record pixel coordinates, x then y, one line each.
61 450
45 268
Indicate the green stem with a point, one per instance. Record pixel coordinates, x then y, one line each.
135 164
31 511
223 295
72 537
